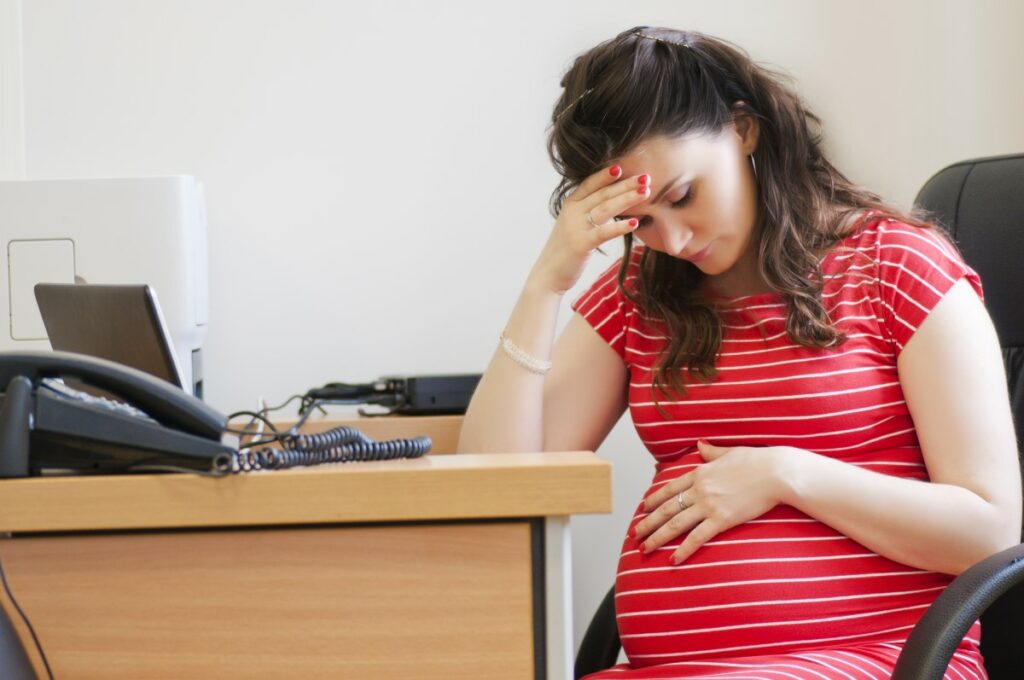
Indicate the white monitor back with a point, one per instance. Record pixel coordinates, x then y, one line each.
115 231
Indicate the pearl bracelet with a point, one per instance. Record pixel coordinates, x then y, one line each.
527 361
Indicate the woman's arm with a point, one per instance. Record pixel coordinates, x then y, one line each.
506 412
575 404
954 383
572 408
955 387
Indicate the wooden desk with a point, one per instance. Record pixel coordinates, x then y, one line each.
443 567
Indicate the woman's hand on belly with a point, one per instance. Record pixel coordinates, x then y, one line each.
734 485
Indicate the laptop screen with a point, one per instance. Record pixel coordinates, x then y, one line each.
119 323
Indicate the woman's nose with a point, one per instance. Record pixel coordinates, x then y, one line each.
673 236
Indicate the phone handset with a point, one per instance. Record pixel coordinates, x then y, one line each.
164 402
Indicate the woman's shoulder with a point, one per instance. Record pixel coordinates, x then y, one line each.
901 256
883 239
877 230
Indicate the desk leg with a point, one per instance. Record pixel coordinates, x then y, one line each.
558 597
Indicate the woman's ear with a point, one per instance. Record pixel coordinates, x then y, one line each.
748 127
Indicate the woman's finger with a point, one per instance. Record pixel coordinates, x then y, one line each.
668 491
603 233
598 180
611 209
662 515
612 200
677 525
698 536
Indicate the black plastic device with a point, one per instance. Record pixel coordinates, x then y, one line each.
432 394
43 429
419 395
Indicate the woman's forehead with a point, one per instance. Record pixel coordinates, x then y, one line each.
676 152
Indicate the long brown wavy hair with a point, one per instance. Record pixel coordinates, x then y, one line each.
649 82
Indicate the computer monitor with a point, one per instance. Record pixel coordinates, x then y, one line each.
119 323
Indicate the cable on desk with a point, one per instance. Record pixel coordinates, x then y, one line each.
256 415
28 624
291 437
339 445
263 413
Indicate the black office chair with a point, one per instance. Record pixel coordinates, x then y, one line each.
982 203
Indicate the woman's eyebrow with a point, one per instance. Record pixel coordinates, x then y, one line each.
665 189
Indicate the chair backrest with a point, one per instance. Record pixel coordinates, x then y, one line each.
981 201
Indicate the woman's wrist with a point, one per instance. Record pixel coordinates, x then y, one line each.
537 287
789 466
520 356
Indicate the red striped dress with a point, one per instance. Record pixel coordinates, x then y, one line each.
784 595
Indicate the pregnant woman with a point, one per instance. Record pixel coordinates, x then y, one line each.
813 371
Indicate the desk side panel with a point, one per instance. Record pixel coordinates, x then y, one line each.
399 601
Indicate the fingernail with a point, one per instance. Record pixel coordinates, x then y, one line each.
674 560
615 171
642 548
643 179
634 222
642 190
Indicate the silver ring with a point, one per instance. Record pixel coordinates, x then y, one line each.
682 503
591 220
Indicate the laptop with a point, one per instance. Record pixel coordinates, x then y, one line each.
119 323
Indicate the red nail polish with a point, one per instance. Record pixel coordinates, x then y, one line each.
674 560
633 222
643 179
642 190
615 171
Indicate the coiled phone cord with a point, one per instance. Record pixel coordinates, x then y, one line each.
339 445
326 440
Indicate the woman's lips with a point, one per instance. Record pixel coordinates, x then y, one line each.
699 255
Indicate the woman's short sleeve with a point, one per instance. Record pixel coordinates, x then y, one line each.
916 268
606 309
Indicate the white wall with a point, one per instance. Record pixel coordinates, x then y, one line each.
375 173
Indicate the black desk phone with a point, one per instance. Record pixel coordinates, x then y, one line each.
47 426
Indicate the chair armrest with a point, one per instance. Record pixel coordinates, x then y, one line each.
936 636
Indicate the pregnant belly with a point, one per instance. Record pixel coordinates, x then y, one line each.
780 583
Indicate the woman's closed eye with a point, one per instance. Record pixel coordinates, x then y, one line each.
678 203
